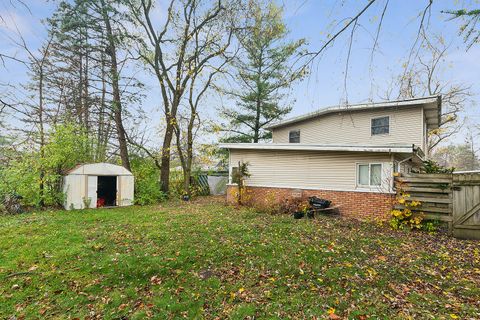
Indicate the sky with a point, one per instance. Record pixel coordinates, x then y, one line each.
368 78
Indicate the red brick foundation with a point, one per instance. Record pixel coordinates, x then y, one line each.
360 205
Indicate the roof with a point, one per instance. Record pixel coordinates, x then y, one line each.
99 169
432 106
389 148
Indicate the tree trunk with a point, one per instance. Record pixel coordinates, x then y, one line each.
117 103
42 136
165 161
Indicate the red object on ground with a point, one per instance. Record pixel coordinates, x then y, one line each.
100 202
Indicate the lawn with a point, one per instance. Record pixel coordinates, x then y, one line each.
206 260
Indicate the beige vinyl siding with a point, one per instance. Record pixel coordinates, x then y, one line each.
406 127
311 169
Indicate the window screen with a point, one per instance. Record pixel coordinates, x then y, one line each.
369 174
375 174
294 136
381 125
363 174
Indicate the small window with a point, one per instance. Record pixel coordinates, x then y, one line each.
234 176
380 125
369 174
294 136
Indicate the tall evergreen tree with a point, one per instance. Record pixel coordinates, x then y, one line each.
263 73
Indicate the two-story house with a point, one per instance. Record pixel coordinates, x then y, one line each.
347 154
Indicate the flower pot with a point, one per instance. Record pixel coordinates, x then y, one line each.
298 215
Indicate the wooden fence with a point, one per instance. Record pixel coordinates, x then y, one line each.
452 198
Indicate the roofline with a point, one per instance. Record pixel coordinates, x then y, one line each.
437 99
77 166
317 147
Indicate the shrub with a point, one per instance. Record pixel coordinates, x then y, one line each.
405 218
290 206
430 166
147 183
36 175
239 176
177 185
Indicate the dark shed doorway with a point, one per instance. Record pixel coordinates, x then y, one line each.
107 191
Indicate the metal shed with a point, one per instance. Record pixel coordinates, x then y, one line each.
98 185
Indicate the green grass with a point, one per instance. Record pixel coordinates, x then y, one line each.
207 260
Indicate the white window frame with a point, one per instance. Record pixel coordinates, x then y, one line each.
379 134
369 185
299 135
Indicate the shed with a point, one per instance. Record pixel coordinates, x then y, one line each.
98 185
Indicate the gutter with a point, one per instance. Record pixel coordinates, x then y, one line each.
313 147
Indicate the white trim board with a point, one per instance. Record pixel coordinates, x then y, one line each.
312 188
318 147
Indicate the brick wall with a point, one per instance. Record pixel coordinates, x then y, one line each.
361 205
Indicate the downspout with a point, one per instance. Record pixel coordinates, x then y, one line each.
392 160
404 160
229 167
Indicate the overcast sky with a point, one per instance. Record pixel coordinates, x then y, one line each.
314 20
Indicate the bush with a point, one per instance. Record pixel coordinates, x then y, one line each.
430 166
67 145
147 181
405 218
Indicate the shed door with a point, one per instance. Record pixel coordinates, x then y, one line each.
125 193
92 190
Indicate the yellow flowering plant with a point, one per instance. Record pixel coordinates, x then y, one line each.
402 218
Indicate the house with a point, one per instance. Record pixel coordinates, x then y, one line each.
347 154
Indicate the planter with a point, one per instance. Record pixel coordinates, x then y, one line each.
298 215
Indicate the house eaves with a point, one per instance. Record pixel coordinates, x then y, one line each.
431 105
394 148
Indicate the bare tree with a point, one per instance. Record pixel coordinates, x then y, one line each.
33 110
422 78
175 50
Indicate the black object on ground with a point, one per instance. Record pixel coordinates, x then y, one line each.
298 215
318 203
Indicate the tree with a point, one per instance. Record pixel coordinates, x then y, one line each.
91 35
263 72
460 156
175 50
422 78
469 29
189 124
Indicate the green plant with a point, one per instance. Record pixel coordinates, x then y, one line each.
239 176
87 202
430 166
36 175
405 218
147 183
430 226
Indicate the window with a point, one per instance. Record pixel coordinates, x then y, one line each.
294 136
234 175
369 174
380 125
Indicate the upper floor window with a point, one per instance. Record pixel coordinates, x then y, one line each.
381 125
294 136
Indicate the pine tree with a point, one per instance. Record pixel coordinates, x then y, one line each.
263 72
